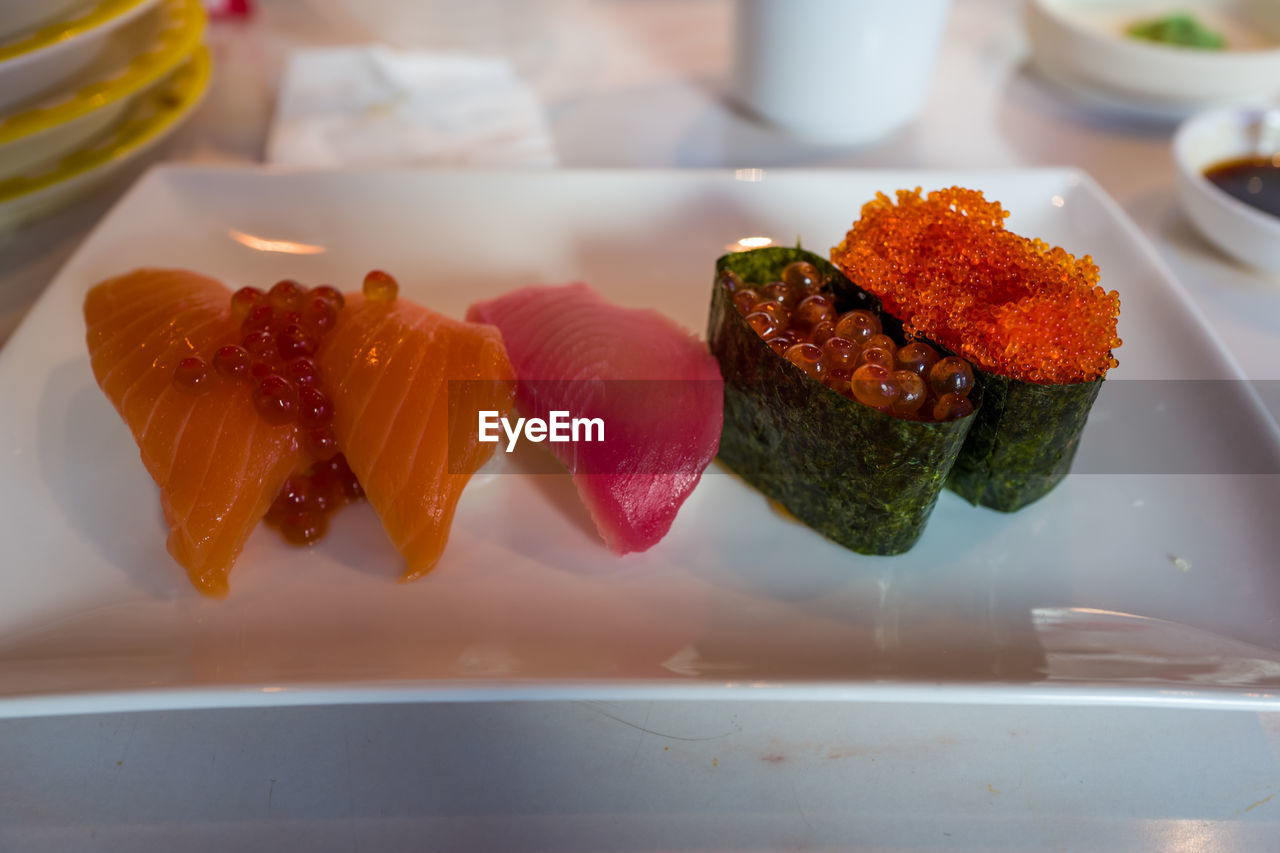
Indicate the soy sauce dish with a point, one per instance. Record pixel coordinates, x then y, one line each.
1228 164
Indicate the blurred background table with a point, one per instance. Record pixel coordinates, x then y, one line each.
641 83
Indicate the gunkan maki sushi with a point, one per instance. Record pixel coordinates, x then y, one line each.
828 409
1032 319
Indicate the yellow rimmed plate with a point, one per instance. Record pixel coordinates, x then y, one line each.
148 120
135 57
36 62
19 18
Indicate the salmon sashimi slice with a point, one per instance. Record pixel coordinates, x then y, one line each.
655 390
217 462
407 386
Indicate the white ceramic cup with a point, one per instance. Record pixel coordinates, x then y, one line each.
836 71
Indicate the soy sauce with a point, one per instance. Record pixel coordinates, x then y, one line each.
1253 180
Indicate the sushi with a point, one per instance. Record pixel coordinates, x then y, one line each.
401 377
218 463
1033 319
852 430
248 406
653 387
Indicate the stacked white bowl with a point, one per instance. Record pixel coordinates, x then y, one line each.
87 86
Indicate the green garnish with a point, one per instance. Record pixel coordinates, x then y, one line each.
1179 30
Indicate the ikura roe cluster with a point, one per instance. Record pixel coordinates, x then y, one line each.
850 353
280 332
829 409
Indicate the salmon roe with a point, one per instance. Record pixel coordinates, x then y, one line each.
273 355
380 286
849 352
280 330
1016 307
301 511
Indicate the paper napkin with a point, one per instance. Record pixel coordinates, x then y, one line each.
378 106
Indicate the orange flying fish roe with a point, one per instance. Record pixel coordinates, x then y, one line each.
945 265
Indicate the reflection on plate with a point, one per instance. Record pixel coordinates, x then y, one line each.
1107 591
146 122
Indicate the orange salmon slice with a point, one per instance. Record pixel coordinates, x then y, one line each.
407 385
217 462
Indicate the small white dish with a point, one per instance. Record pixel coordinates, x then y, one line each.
1085 41
1120 587
1249 234
1112 104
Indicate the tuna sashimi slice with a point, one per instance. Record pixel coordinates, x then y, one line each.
655 387
217 463
397 372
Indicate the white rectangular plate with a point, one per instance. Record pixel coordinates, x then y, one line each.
1118 587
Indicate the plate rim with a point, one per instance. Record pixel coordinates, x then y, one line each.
987 693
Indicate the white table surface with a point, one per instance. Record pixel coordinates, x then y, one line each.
640 83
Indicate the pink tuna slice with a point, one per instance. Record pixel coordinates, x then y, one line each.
655 387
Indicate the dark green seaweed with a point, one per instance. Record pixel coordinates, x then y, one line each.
1024 437
1023 441
865 479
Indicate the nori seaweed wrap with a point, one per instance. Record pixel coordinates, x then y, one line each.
1023 438
1023 442
865 479
1037 327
